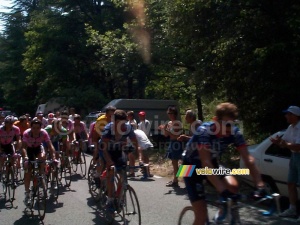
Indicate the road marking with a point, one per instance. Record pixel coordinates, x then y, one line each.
155 176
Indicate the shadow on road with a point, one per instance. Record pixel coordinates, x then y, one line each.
26 219
177 191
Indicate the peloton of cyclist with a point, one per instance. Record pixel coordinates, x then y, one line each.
32 149
114 140
204 149
7 134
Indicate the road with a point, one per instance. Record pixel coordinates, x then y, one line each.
160 205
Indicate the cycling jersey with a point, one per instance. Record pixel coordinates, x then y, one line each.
80 130
207 135
6 137
55 139
101 122
34 142
22 126
115 147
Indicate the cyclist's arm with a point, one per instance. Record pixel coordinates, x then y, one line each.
51 149
250 164
206 161
19 143
106 155
24 149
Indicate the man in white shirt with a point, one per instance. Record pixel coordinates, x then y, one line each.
145 146
291 141
144 124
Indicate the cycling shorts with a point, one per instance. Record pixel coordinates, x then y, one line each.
7 149
80 136
33 152
194 184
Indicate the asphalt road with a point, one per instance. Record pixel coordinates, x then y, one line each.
160 205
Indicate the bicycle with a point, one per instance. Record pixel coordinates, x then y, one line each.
8 178
94 188
65 169
186 216
51 173
126 203
38 192
78 157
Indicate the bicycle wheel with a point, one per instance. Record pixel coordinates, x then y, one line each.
52 183
186 216
103 194
82 162
75 161
94 188
19 175
3 180
66 172
11 185
131 208
41 199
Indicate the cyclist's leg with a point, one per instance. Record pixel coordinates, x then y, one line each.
41 155
231 184
196 195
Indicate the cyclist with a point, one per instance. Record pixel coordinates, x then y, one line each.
209 141
22 124
68 124
101 122
32 149
40 116
50 118
114 140
80 130
7 134
59 138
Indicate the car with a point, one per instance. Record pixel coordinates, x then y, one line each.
273 163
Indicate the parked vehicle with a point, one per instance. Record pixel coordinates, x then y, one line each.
156 113
273 163
52 105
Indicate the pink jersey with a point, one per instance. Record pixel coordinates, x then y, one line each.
33 142
6 137
79 128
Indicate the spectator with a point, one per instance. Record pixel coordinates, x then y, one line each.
144 148
291 140
131 120
173 129
144 124
190 118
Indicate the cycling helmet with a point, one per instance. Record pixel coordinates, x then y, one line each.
9 119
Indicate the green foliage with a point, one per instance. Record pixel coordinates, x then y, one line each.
202 53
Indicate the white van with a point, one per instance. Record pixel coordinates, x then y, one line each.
52 105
